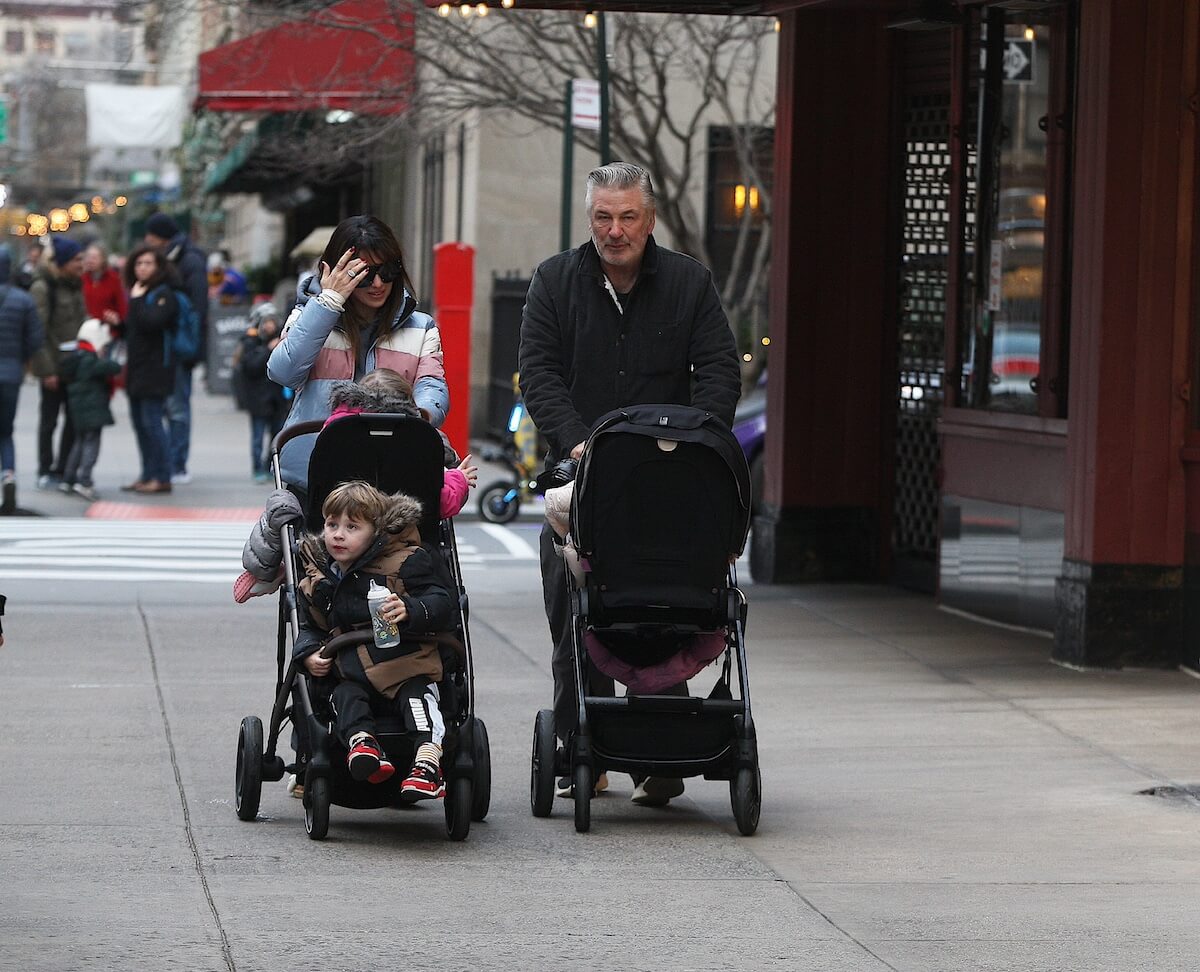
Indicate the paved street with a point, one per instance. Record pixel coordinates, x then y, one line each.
937 795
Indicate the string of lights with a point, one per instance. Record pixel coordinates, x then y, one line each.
60 219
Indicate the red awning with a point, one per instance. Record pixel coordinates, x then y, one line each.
356 55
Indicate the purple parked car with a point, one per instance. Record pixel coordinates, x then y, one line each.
750 429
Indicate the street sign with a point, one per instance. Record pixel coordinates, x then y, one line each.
3 120
1018 62
585 104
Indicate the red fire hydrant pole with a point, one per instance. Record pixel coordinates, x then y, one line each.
453 297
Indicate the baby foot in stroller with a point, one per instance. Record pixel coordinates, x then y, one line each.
366 760
248 586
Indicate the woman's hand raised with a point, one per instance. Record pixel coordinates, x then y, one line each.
342 277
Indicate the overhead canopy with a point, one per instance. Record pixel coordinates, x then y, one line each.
313 245
356 56
643 6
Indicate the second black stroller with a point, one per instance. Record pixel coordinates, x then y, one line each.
395 453
659 514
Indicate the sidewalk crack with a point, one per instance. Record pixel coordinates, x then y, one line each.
226 953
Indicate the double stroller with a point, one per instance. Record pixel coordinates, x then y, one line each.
659 514
395 453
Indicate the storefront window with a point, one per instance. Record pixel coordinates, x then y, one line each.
1008 316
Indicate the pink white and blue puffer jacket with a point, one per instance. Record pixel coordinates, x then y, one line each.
315 352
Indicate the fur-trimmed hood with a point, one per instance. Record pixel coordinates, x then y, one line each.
403 514
350 396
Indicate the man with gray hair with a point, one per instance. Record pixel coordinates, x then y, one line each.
619 321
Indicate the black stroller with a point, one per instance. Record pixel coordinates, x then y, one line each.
659 514
396 453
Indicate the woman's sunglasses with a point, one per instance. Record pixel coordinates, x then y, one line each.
387 273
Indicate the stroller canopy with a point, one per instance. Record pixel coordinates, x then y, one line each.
661 504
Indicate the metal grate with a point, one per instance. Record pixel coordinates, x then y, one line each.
922 320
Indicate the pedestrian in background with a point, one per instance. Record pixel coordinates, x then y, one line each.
226 285
20 338
88 378
255 391
103 289
150 323
25 272
191 270
57 292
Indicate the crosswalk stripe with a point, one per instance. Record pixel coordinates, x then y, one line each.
196 551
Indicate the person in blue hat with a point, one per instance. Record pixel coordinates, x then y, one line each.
57 293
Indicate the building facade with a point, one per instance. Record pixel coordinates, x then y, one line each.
984 314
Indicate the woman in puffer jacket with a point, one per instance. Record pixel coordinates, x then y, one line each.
353 316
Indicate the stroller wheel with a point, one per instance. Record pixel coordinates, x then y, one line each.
481 791
316 807
582 778
495 506
541 777
458 808
745 793
248 780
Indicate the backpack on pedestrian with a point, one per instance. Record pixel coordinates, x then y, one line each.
185 343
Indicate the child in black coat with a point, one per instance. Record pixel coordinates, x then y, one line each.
88 378
261 397
371 538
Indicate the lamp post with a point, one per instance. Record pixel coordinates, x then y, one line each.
602 77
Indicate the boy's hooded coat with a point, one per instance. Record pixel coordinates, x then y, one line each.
331 604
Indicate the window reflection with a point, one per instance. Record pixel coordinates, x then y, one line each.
1002 364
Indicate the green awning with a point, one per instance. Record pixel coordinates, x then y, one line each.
232 161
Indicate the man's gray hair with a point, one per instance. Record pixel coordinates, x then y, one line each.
619 175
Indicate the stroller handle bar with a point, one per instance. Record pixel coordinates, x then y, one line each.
316 425
294 431
349 639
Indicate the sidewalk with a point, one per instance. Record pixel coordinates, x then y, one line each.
222 485
937 795
944 795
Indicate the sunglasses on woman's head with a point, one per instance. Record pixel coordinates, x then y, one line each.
387 273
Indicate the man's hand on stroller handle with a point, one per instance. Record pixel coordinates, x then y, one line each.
317 665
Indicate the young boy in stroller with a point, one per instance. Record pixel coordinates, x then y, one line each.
369 538
323 605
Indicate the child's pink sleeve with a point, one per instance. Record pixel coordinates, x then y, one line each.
454 492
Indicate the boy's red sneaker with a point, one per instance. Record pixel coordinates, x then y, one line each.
424 782
366 760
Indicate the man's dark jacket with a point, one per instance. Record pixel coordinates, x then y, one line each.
581 357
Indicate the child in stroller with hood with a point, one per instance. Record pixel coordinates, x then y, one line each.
370 537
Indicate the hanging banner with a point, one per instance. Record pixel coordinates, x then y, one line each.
134 116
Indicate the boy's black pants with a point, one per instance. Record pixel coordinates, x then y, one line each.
356 708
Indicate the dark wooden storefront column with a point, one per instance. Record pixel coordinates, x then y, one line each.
831 307
1120 597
